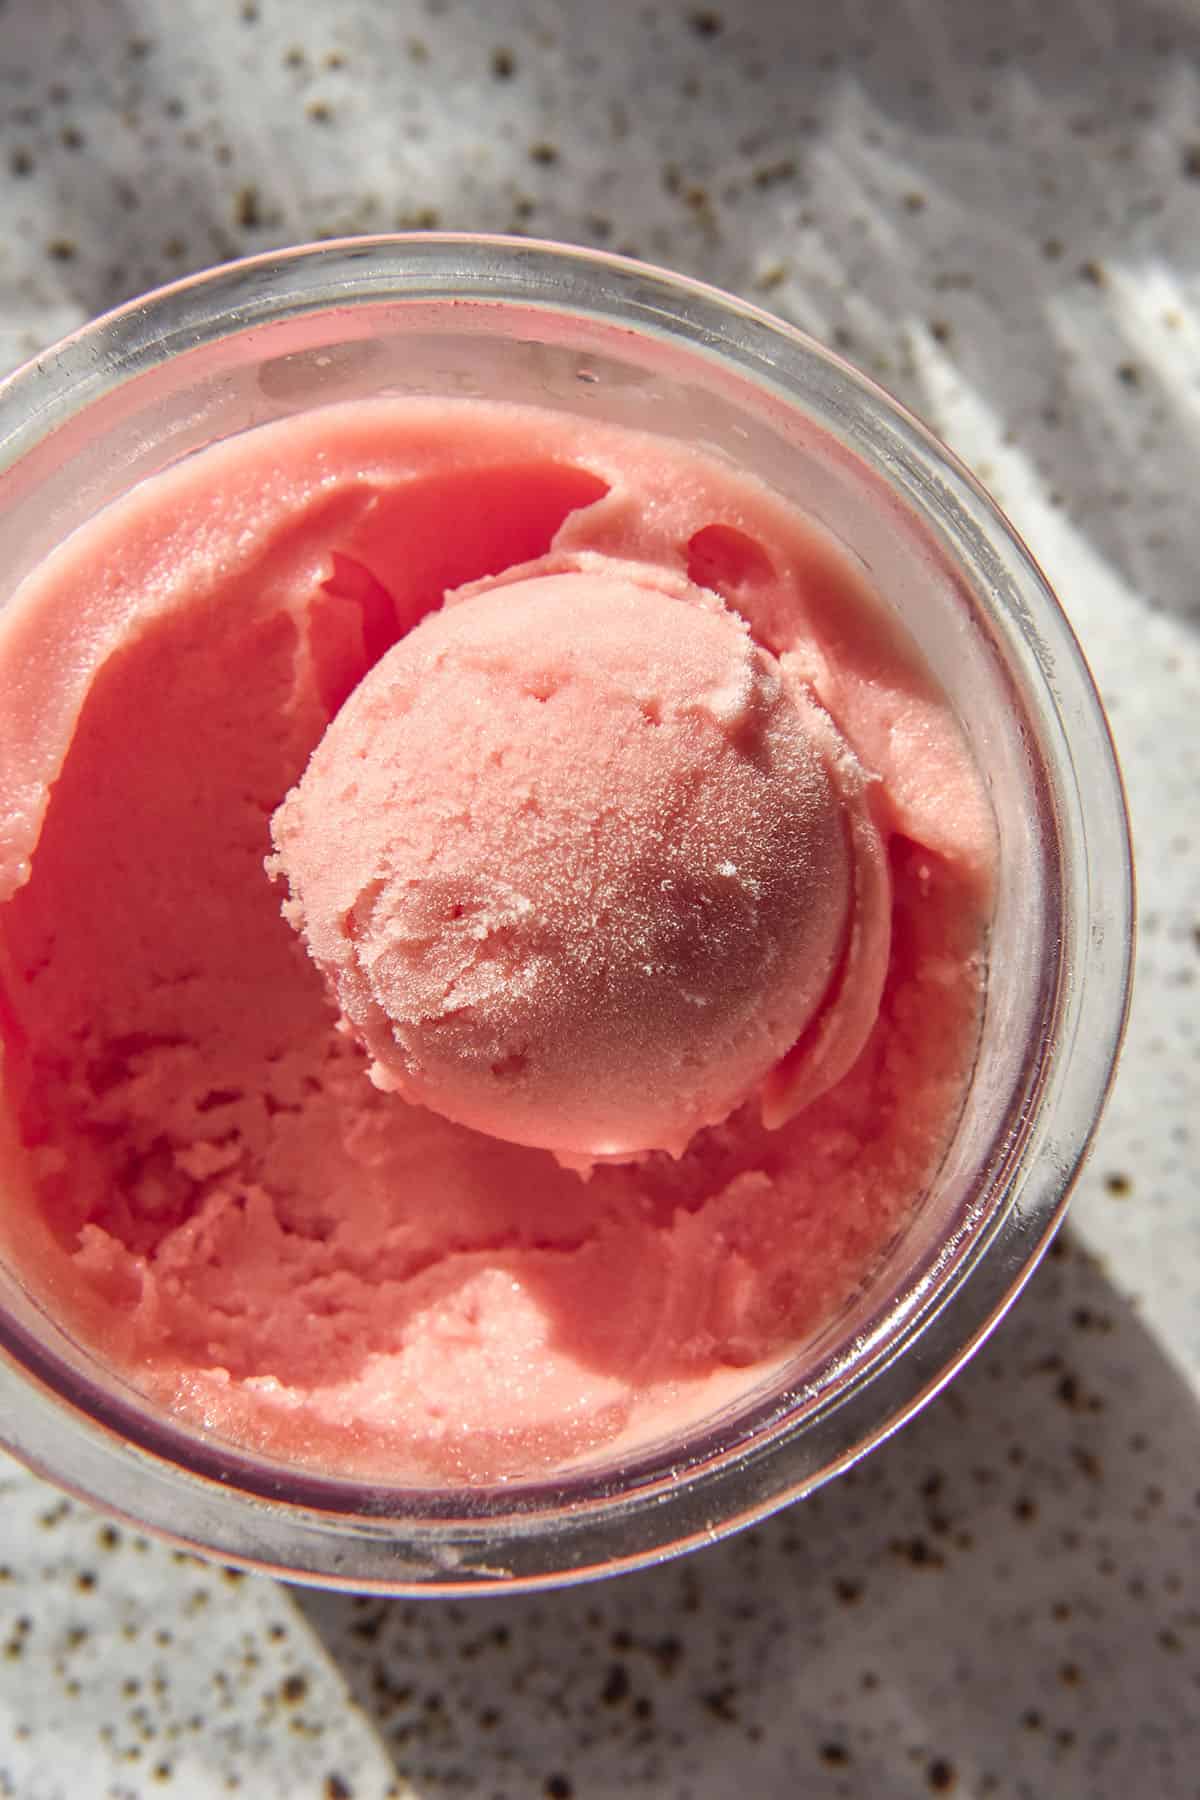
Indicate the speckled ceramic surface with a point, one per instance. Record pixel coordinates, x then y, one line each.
997 211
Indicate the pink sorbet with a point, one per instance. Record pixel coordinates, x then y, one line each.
648 877
575 865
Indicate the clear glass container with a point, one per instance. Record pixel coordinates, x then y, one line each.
602 337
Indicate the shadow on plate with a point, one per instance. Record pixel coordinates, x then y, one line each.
1002 1600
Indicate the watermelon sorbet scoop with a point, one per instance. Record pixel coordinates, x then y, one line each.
582 862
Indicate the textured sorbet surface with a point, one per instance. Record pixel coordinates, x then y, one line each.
605 918
237 1198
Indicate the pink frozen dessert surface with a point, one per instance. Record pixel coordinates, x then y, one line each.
600 912
639 833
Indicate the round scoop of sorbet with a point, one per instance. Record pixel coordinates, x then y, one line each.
573 861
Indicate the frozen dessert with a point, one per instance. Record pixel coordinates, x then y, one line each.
493 918
612 896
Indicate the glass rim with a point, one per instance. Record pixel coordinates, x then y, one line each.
660 1509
